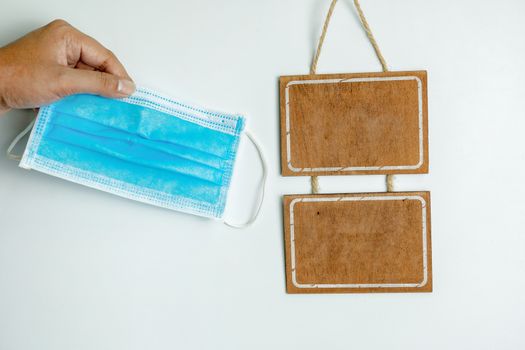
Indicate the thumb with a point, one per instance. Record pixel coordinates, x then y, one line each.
77 81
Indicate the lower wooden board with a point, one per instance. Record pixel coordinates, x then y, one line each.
358 243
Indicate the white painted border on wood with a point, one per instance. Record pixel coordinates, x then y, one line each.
354 168
360 285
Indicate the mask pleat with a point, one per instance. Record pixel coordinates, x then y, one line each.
158 179
134 153
105 132
146 122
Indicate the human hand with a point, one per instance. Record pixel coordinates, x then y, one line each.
55 61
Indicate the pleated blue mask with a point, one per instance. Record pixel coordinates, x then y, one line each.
146 147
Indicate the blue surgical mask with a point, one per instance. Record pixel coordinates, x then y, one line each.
146 147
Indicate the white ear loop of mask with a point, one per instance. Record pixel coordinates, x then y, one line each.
16 140
262 185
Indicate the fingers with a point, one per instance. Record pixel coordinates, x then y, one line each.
77 81
97 56
98 71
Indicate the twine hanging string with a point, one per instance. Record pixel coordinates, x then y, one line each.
313 68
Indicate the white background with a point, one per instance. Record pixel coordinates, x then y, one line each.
81 269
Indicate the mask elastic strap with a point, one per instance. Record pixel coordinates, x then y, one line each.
16 140
262 185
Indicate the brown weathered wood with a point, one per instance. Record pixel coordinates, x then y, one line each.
339 126
356 243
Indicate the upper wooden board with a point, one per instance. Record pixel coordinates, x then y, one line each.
363 123
357 243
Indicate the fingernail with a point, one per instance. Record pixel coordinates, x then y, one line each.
126 87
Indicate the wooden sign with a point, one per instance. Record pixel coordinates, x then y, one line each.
364 123
356 243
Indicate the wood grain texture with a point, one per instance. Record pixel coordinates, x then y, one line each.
362 123
357 243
